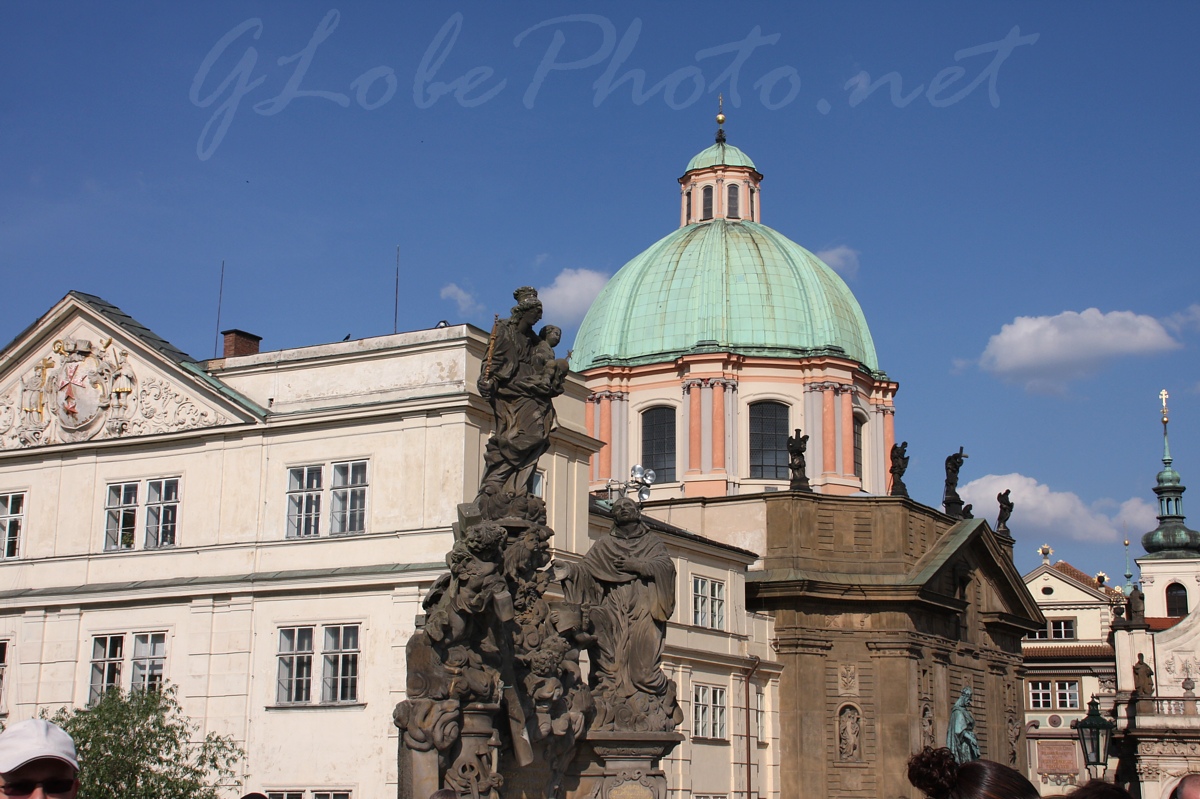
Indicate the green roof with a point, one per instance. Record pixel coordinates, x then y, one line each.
719 153
723 286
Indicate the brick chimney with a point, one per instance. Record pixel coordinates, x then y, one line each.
239 342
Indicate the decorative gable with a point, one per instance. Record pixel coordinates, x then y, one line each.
73 378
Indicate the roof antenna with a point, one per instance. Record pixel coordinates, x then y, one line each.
220 296
396 306
720 118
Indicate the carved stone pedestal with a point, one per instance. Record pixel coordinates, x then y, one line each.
625 765
473 772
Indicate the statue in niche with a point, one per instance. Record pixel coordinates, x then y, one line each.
1014 737
1143 677
520 378
849 732
898 468
1006 509
797 445
626 584
960 735
927 733
950 498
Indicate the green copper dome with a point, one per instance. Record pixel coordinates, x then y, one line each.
719 153
723 286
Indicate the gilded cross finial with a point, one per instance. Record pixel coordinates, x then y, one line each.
720 118
1163 395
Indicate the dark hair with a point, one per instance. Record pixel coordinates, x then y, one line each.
1099 789
255 795
936 773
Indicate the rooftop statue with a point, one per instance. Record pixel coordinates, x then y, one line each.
1006 509
796 447
950 498
898 468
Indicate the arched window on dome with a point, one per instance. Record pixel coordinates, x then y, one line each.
1177 603
688 206
658 442
858 446
768 441
706 208
732 206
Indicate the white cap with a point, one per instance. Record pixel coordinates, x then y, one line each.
32 740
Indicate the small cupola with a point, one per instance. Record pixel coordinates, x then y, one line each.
720 182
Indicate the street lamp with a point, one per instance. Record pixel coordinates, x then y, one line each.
1095 734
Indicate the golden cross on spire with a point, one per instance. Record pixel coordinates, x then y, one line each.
720 109
1163 395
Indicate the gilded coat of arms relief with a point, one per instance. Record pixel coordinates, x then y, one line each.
84 389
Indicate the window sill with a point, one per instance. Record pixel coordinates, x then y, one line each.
318 706
713 741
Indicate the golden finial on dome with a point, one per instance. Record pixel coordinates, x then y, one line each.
720 118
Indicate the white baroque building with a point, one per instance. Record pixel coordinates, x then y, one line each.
259 529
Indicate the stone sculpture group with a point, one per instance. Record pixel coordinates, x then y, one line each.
497 700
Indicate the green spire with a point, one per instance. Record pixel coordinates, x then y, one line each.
1172 538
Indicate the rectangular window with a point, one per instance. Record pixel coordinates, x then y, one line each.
349 514
1062 628
108 653
304 502
160 515
331 795
12 519
1066 694
858 448
340 676
760 712
285 795
162 512
121 516
149 661
708 603
309 794
708 711
295 665
345 496
1038 635
3 670
1039 695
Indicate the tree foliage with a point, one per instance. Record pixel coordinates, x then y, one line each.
140 745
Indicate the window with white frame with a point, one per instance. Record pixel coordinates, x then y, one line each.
708 603
340 677
708 711
308 793
149 661
12 519
1039 695
1062 629
709 796
339 664
112 658
151 505
347 499
1066 694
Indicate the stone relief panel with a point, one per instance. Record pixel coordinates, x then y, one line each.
848 679
83 389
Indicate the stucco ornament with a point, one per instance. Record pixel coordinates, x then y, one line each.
82 390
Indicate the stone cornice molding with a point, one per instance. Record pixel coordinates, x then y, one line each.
895 649
690 383
801 644
620 396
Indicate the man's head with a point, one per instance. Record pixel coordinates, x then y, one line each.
1188 788
37 759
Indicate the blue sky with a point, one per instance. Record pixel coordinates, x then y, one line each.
1009 189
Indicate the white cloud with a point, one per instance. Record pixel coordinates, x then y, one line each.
568 298
1187 319
1047 515
467 304
842 260
1044 352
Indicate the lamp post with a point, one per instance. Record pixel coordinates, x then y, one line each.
1095 735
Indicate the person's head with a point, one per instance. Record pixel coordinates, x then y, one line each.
255 795
443 793
38 760
1099 789
936 773
1188 788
